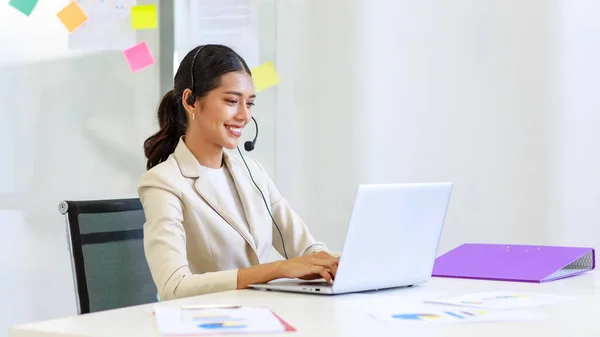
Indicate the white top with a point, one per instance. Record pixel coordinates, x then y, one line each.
347 315
227 194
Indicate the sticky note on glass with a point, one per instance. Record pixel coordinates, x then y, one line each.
138 57
24 6
72 16
265 76
144 17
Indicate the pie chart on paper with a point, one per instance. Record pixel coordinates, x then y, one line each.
225 325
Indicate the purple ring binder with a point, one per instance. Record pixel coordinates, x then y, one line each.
518 263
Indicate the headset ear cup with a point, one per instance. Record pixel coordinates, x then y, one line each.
191 99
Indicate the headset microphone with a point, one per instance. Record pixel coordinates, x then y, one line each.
249 145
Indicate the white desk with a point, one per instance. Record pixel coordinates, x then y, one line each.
343 315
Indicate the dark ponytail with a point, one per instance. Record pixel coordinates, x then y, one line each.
172 122
212 62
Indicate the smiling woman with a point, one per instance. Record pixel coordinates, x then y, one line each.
212 87
208 213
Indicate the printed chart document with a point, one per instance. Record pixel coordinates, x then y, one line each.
108 26
504 300
173 322
233 23
430 314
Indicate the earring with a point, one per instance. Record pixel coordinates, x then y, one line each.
193 116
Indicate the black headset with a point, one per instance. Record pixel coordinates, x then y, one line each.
192 97
248 146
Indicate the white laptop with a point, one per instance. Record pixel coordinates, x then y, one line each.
392 240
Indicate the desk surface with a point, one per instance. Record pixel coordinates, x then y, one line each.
344 315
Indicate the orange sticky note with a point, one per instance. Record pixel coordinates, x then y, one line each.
72 16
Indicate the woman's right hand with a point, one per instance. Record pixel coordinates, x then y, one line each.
309 267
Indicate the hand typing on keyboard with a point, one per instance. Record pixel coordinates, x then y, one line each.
310 267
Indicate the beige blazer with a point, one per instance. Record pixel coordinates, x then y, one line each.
191 243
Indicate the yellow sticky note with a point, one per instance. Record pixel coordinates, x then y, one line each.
264 76
144 17
72 16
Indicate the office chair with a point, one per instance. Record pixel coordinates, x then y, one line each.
105 240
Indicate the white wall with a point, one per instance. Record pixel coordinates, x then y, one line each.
576 197
461 95
316 113
404 91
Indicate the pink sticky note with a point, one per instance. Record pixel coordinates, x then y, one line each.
138 56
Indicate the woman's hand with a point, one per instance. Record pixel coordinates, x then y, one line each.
309 267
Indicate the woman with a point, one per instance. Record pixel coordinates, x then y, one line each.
208 228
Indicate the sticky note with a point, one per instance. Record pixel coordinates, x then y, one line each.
139 56
144 17
264 76
72 16
24 6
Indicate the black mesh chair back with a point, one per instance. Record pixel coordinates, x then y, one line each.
107 254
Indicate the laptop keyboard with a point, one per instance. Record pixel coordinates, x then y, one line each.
319 283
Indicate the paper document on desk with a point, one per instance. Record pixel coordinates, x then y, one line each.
430 314
504 300
175 322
